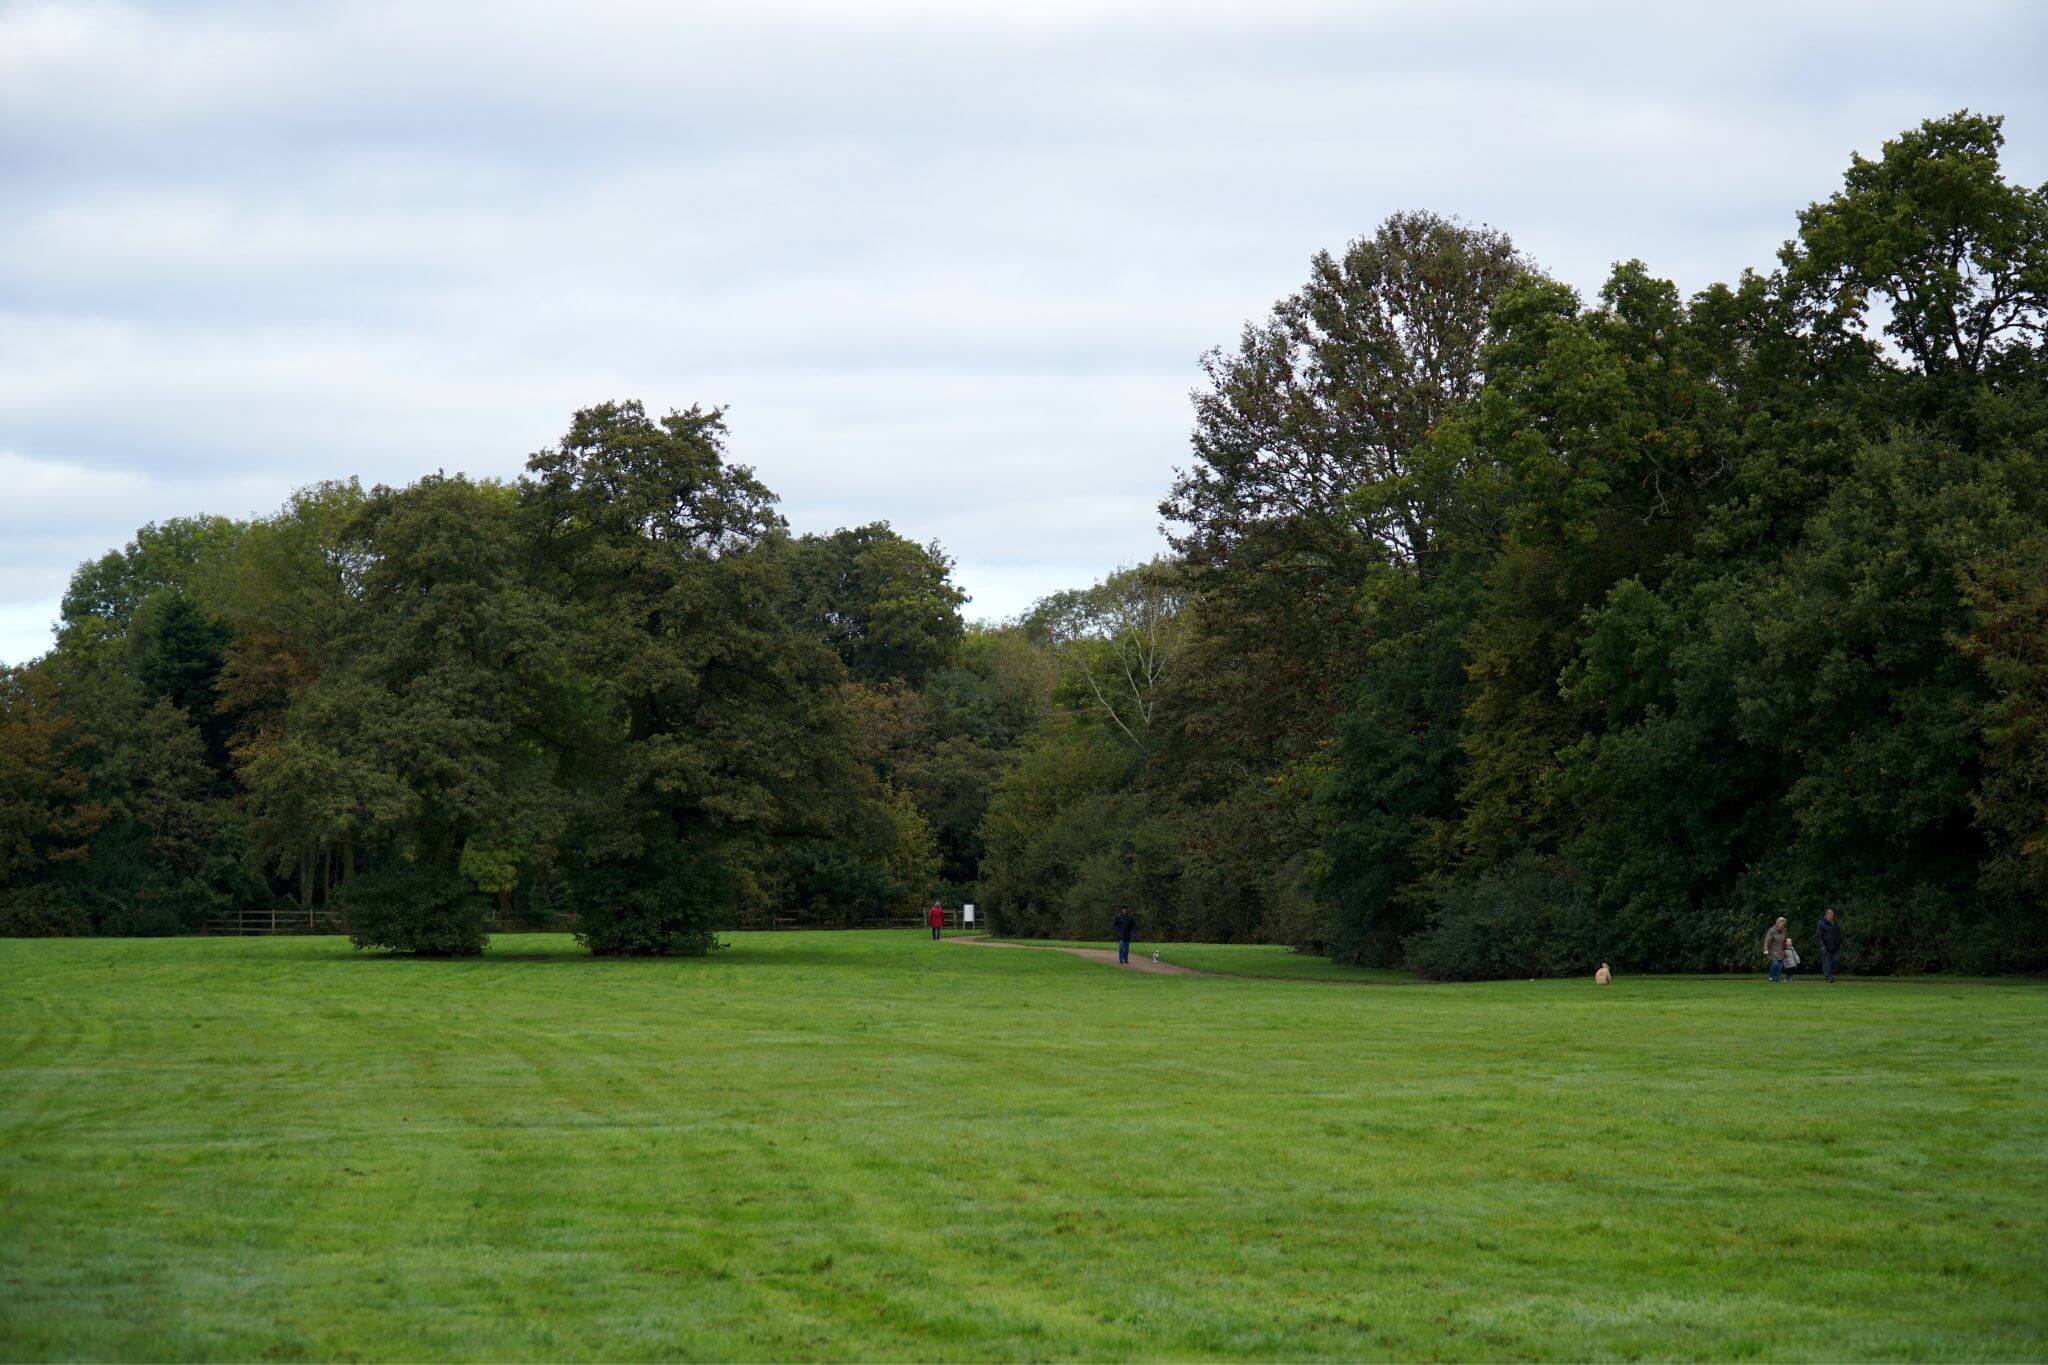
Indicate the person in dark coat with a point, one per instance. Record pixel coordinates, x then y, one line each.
1828 933
1124 923
936 918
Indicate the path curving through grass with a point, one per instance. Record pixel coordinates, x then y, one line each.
1106 956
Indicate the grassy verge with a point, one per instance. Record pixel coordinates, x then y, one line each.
872 1146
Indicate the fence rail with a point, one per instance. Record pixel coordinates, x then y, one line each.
278 921
291 920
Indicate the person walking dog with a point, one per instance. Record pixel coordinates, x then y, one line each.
1776 941
936 918
1124 923
1828 934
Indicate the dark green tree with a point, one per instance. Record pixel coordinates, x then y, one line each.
443 718
1933 240
730 729
2009 641
47 817
1321 462
885 604
174 555
180 652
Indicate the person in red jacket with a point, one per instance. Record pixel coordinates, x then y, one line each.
936 918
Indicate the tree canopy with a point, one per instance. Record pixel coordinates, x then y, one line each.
1504 631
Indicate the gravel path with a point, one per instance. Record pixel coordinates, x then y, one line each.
1106 956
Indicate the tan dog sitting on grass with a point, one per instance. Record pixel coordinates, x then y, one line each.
1603 976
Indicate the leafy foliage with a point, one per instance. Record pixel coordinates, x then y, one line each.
2009 641
615 686
1597 632
1726 660
666 904
415 908
1517 919
1504 631
886 605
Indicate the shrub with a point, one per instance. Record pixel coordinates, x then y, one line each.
45 910
1523 919
662 905
153 910
412 908
831 885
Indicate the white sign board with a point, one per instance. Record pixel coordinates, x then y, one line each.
968 910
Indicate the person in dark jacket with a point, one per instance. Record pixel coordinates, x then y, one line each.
1828 933
1124 923
936 918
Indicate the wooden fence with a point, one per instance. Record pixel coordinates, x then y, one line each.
916 921
278 921
292 920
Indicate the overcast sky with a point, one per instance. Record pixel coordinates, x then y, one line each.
949 265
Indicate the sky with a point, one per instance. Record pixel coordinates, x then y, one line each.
952 266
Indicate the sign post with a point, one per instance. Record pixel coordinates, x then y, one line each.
967 911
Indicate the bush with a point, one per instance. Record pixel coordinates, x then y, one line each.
153 910
45 910
410 908
831 885
1523 919
664 905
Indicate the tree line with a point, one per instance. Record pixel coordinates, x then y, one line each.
1503 633
617 687
1509 632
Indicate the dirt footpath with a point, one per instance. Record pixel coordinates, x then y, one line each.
1106 956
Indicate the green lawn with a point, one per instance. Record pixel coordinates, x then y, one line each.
872 1145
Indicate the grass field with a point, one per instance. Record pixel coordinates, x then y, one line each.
871 1145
